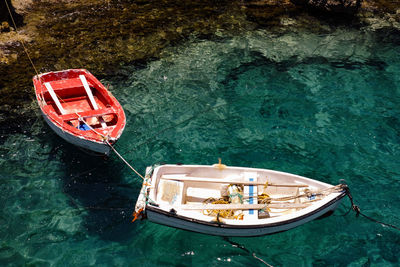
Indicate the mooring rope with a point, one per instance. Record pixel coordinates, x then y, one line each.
122 158
237 245
357 209
105 140
21 40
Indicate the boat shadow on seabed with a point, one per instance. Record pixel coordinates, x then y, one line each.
95 186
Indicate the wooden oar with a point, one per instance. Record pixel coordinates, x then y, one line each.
223 181
242 206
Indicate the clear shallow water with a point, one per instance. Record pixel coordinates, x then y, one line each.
322 106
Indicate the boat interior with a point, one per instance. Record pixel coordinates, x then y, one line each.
69 96
198 192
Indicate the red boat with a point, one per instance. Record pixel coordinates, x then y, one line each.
80 109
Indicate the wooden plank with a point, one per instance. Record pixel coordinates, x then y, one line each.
224 181
250 193
242 206
88 91
91 98
55 98
87 114
67 83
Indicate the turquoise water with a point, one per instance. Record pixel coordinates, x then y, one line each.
325 106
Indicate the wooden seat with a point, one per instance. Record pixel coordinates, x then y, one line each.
87 114
91 98
68 83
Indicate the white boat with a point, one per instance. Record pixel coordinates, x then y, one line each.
233 201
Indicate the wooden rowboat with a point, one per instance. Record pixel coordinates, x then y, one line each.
233 201
80 109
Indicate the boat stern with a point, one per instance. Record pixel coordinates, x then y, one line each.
142 200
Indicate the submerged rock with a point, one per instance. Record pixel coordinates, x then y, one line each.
4 27
101 36
5 15
104 35
348 7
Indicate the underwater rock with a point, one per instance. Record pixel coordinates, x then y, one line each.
5 27
267 13
103 35
347 7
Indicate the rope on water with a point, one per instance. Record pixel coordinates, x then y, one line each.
237 245
357 209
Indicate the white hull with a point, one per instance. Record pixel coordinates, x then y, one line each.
97 147
178 196
224 230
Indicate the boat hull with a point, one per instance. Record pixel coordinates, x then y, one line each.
156 215
101 148
294 200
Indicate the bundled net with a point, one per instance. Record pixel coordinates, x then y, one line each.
235 196
228 214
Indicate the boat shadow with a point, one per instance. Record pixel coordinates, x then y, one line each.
94 185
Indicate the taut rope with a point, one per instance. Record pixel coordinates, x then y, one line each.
237 245
358 210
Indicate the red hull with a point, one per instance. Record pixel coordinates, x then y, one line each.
66 103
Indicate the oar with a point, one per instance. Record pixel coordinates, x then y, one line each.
242 206
223 181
